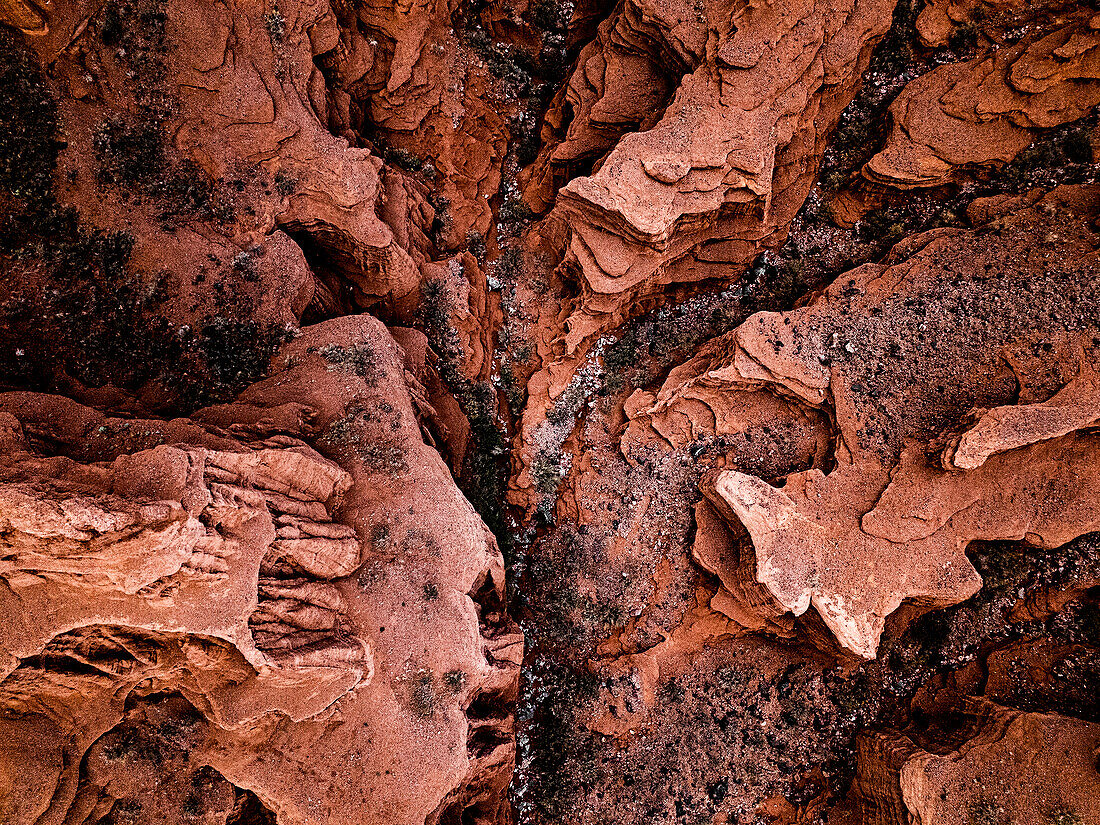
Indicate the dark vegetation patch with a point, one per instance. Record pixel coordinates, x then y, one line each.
402 158
946 640
550 592
454 680
861 131
744 724
442 220
137 31
1060 155
513 352
422 694
371 434
170 735
133 155
512 65
523 71
475 245
72 307
359 359
530 66
28 126
563 755
135 164
285 185
654 343
275 24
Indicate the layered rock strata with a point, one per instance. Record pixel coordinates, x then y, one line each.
892 519
277 564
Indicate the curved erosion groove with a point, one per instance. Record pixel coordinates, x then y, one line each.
549 411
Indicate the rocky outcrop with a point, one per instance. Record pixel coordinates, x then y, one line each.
234 92
855 566
887 523
762 337
984 111
276 564
977 777
404 75
703 413
694 186
1074 407
713 170
126 549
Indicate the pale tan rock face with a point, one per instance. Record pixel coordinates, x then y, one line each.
188 559
1072 408
856 565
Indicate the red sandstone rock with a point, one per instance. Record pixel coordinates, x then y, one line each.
282 605
302 604
715 174
984 111
701 186
1074 407
886 524
246 103
978 778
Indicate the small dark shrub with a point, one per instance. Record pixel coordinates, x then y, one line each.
276 26
359 359
455 680
423 696
963 38
286 185
129 155
475 243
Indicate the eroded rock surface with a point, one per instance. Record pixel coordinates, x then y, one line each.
749 348
978 776
289 598
887 523
720 160
986 110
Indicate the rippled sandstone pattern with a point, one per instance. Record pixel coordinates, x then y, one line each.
549 411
